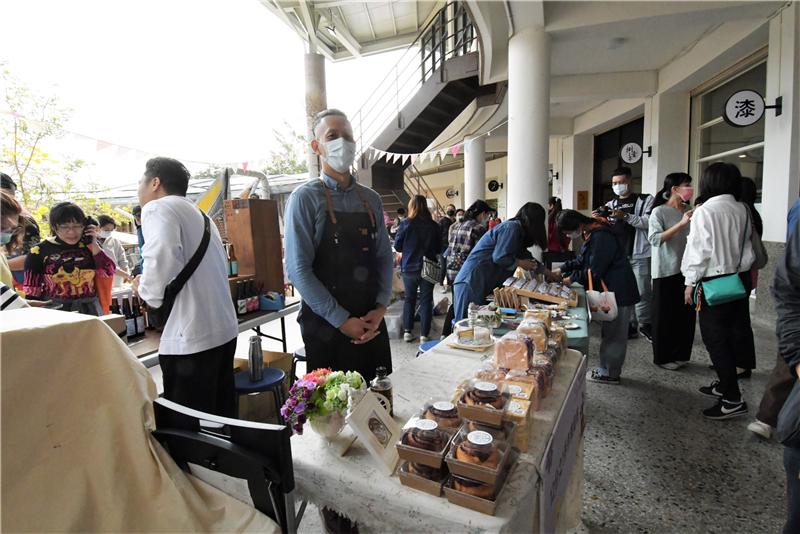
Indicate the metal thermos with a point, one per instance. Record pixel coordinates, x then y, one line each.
256 359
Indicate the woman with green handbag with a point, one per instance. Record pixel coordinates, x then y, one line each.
716 267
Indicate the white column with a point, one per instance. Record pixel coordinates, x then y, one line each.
577 170
316 101
666 130
782 133
529 117
474 170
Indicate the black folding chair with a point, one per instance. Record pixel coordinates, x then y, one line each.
257 452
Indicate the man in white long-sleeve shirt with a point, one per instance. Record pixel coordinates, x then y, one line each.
199 338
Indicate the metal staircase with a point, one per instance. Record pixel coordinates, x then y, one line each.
433 82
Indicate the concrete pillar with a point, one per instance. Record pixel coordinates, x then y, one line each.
782 133
316 101
529 117
474 170
666 129
578 165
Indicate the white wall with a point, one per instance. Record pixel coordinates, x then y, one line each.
666 130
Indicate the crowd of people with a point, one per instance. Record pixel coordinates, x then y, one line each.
668 263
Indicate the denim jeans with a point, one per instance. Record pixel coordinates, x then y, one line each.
614 343
413 281
641 270
791 462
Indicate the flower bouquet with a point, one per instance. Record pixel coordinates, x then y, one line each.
322 398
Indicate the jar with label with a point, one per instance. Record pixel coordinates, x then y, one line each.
382 386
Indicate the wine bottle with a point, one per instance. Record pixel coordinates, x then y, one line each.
233 263
138 316
130 321
241 300
382 386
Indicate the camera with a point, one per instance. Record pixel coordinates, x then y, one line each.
90 221
604 211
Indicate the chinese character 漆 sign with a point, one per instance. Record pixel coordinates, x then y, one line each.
631 153
744 108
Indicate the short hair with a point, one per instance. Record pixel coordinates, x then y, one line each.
174 176
332 112
459 210
7 183
570 220
623 171
103 220
9 206
401 211
136 211
65 212
721 179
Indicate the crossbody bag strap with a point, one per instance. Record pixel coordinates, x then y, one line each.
744 239
177 284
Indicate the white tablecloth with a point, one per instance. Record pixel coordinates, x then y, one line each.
357 487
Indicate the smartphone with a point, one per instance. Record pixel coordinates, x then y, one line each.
90 221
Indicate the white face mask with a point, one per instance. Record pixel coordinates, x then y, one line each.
104 234
620 189
339 154
574 235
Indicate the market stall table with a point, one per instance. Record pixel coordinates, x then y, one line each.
355 484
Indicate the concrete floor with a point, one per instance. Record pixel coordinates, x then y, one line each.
653 464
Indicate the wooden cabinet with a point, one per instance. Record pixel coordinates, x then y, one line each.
253 229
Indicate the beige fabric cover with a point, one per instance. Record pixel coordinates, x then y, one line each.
77 454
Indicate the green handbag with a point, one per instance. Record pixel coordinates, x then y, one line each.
726 288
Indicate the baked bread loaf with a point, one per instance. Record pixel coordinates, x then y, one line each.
513 351
473 487
480 449
444 413
485 394
537 331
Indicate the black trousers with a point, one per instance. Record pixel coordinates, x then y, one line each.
673 321
728 336
203 380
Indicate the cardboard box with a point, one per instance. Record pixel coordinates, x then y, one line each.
117 324
260 407
420 483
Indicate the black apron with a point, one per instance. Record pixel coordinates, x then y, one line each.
346 264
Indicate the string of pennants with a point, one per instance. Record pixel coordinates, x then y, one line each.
373 154
123 151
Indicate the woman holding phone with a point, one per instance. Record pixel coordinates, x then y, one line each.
63 268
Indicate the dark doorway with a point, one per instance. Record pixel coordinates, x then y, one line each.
607 147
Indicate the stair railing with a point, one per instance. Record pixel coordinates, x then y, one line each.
415 184
447 34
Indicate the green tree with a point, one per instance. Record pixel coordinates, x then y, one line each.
290 158
42 178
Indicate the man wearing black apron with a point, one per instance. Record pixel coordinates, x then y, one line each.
339 258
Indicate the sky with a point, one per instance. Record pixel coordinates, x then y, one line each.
202 80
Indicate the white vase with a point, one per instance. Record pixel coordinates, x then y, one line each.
328 426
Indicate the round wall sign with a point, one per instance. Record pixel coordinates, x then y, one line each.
451 193
631 153
744 108
494 185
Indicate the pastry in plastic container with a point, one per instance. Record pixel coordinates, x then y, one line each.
545 364
477 455
423 478
423 442
520 390
504 433
484 402
513 351
472 335
490 373
518 412
535 379
559 335
443 412
544 316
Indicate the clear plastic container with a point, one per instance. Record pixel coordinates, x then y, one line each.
423 442
477 455
423 478
484 402
444 412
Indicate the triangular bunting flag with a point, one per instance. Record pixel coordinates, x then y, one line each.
414 158
454 150
101 145
406 157
244 166
442 154
396 157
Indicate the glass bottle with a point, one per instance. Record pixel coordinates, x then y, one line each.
382 386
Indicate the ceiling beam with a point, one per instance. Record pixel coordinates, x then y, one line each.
369 19
380 45
344 36
332 3
281 14
603 86
309 23
394 20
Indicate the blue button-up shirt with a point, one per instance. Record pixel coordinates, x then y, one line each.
305 220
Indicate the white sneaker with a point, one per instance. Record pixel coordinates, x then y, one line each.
408 337
424 339
682 364
762 430
670 366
